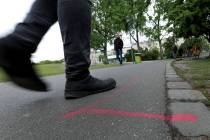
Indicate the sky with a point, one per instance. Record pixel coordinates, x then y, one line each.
51 47
12 12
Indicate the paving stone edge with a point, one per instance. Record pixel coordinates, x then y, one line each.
176 134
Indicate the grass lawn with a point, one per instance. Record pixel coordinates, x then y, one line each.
55 69
50 69
197 73
2 76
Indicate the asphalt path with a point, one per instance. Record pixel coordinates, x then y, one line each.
129 112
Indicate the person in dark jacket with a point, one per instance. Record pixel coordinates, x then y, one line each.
175 51
118 46
74 18
180 52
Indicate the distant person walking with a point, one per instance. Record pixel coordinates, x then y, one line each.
180 52
118 46
175 52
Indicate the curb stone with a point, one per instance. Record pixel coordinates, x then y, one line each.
191 129
184 100
186 95
174 79
172 76
178 85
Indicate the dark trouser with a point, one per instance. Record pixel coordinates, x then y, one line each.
74 17
119 55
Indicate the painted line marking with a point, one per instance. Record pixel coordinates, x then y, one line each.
92 109
111 112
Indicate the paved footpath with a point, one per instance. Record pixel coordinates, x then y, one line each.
135 110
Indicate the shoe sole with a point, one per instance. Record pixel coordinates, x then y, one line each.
80 94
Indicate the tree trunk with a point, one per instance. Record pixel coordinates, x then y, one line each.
105 61
161 49
137 38
105 48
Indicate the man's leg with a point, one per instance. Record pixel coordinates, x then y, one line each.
117 54
74 18
16 48
42 15
121 58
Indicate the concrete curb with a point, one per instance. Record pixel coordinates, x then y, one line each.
182 99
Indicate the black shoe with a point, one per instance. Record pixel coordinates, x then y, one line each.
15 61
88 86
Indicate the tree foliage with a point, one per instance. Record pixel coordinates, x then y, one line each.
189 17
112 16
108 18
168 46
180 18
135 18
157 29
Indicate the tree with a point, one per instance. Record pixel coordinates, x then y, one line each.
189 17
135 19
168 46
97 40
107 20
112 16
100 25
157 29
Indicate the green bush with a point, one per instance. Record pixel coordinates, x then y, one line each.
146 54
103 59
152 54
200 42
155 53
128 55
